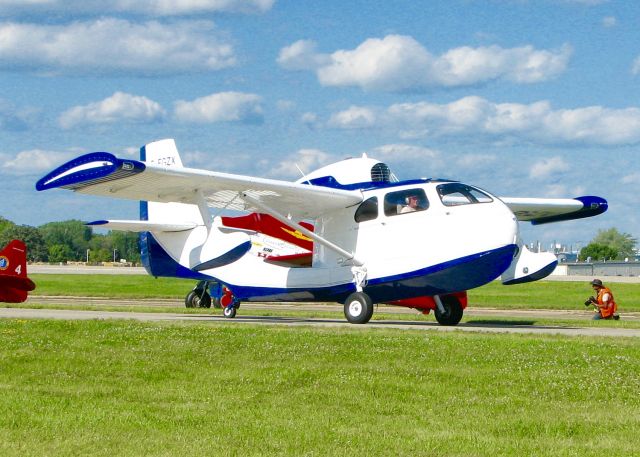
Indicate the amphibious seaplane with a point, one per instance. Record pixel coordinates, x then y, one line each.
14 283
349 232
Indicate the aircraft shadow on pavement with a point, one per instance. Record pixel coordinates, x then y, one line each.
498 323
479 323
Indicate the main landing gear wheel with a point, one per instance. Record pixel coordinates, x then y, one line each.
452 311
358 308
195 299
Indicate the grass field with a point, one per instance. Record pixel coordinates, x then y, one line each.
124 388
120 388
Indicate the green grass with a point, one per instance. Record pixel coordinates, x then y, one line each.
550 295
116 286
125 388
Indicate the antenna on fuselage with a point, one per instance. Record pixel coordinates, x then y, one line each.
304 176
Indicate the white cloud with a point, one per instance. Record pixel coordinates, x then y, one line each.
16 119
402 152
310 120
117 108
633 178
301 55
307 160
398 63
148 7
609 21
536 122
547 167
34 161
221 107
356 117
114 46
472 161
394 63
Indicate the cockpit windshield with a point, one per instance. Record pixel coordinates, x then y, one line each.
454 194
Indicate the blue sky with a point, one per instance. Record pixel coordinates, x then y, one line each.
537 98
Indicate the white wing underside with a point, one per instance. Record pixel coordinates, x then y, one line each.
527 209
222 190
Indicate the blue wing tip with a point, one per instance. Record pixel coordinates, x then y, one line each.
591 206
88 169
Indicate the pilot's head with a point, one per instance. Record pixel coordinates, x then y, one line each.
412 200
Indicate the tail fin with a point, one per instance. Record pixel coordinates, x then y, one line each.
14 283
186 252
165 153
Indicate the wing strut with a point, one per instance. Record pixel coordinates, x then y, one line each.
314 236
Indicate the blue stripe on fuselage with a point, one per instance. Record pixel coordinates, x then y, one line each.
453 276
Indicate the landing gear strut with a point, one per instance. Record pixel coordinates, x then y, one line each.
229 303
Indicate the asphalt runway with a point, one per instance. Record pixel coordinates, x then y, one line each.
482 320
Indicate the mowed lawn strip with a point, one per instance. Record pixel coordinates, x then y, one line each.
128 388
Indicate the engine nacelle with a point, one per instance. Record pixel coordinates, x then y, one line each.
529 266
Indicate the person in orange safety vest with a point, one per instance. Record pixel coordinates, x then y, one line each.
605 304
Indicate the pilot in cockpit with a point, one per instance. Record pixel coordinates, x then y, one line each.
411 205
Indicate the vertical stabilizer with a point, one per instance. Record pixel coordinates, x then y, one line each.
14 283
175 253
165 153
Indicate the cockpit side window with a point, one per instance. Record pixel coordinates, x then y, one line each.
367 211
405 201
454 194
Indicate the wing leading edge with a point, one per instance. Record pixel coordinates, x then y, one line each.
545 210
102 173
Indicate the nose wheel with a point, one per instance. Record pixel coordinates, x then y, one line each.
230 312
229 303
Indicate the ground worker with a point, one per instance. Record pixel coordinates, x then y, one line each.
606 307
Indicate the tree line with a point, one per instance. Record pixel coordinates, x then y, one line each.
610 244
70 241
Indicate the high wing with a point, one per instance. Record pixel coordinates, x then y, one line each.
545 210
102 173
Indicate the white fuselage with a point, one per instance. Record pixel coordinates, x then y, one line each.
392 244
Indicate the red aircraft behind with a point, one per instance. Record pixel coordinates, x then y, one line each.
14 284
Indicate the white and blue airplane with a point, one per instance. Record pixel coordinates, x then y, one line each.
366 236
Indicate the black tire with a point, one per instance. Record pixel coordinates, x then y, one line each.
197 299
452 311
229 312
191 300
204 301
358 308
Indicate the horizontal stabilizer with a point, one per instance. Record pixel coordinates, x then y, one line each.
143 226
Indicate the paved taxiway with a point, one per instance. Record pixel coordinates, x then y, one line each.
483 319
